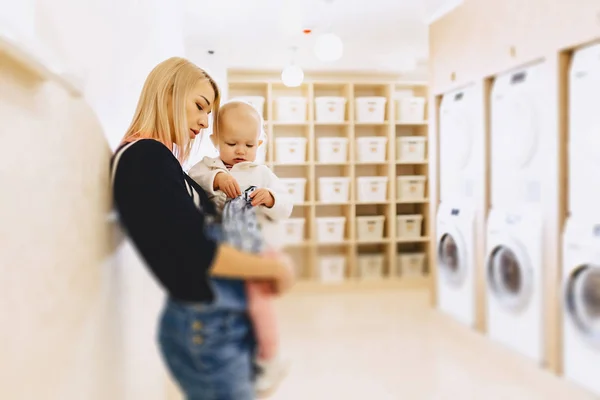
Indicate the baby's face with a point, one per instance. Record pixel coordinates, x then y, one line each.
238 139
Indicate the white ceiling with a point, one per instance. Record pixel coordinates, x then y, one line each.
378 35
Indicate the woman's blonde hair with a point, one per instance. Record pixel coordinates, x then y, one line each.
171 80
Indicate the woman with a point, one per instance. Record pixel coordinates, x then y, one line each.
166 214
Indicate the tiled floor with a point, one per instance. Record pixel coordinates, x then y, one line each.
391 345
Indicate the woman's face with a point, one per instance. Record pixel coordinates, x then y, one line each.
198 106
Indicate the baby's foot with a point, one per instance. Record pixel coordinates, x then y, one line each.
271 374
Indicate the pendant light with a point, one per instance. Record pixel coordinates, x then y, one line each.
292 75
329 46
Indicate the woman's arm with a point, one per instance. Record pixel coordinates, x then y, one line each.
165 225
232 263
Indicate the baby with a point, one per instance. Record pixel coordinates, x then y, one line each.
231 175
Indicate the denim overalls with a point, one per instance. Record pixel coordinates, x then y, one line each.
210 347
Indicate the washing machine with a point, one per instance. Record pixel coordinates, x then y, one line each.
460 145
584 131
581 302
521 138
456 261
513 266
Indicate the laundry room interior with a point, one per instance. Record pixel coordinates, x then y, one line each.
443 162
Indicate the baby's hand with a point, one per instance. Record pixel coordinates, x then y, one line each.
227 184
262 197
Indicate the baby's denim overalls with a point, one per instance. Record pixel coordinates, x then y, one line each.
210 347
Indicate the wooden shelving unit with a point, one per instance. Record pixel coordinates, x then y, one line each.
307 253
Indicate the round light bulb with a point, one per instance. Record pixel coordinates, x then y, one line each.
292 76
329 47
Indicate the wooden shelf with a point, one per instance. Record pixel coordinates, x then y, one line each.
350 285
371 163
308 252
297 245
380 241
371 123
345 123
413 240
413 123
333 244
283 123
419 201
326 164
412 162
321 203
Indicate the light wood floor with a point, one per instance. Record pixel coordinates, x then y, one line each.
391 345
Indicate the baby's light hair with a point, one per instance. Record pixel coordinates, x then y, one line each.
235 104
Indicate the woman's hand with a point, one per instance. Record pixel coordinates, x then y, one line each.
285 276
227 184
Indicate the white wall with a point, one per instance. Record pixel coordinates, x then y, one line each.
57 311
113 51
216 66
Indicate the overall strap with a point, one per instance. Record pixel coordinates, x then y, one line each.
118 155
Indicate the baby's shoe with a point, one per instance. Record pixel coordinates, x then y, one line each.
270 374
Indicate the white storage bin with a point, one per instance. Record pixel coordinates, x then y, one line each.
257 102
370 266
409 226
410 109
369 228
372 188
330 109
293 230
410 148
330 230
370 109
291 150
411 187
332 150
334 190
371 149
295 187
291 109
411 264
332 268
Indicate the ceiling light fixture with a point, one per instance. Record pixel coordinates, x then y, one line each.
329 46
292 75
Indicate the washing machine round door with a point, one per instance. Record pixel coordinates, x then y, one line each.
452 256
582 301
510 275
457 140
517 137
